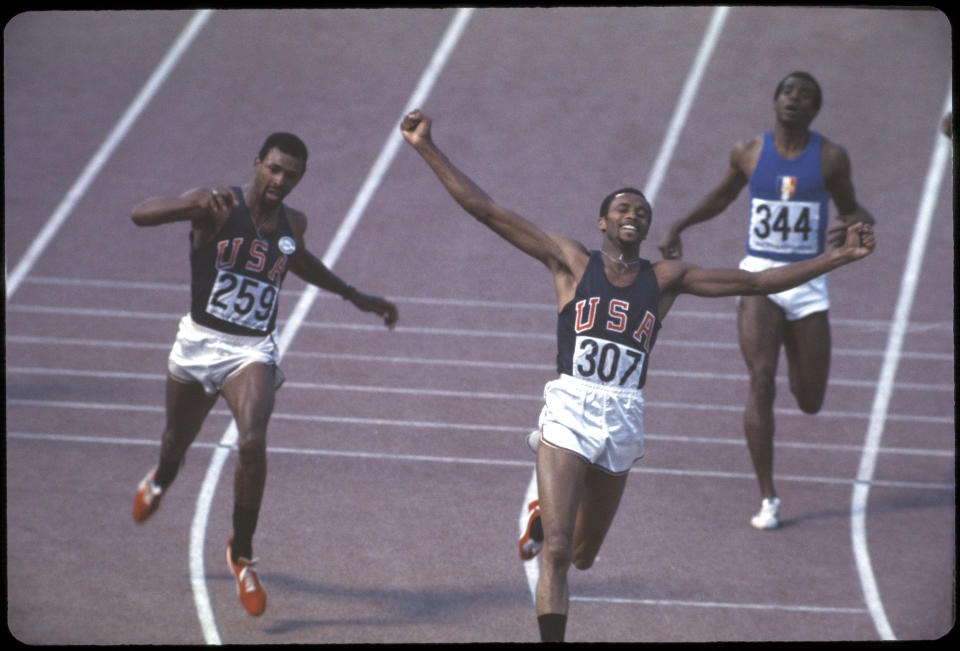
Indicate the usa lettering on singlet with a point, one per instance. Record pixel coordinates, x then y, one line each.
789 204
236 277
606 333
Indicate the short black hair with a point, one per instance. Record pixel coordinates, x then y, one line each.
607 200
287 143
802 75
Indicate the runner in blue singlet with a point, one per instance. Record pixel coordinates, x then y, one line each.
792 173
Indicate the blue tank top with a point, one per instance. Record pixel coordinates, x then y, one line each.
605 333
789 204
236 277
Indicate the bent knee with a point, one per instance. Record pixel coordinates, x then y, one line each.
809 399
583 562
585 554
809 405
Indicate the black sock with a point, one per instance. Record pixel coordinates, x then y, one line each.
536 530
166 472
244 524
552 627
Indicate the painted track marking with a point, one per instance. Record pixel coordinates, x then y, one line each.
475 461
881 401
119 131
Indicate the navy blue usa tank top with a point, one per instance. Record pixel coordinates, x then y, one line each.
236 277
605 333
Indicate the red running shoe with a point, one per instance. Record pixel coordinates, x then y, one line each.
531 541
252 596
147 499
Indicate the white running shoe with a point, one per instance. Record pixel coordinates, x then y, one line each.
533 439
768 517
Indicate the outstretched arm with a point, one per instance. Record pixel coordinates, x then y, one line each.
549 249
308 267
690 279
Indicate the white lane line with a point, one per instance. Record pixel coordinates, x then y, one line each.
908 287
685 406
90 172
664 342
387 456
722 604
652 187
860 324
334 249
47 405
689 92
379 388
476 427
399 359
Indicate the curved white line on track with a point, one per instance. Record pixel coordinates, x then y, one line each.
79 187
652 186
881 399
336 246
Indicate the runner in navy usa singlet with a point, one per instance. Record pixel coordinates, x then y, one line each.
605 334
236 277
590 430
243 240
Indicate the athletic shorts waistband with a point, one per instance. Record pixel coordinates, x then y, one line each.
242 340
601 388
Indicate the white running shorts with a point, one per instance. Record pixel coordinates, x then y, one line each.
601 424
209 357
796 303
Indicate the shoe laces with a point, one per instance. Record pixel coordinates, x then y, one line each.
153 490
246 564
248 575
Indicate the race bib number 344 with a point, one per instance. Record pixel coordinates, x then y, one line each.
607 362
784 226
241 300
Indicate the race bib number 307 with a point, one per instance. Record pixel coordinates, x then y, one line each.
241 300
607 362
784 226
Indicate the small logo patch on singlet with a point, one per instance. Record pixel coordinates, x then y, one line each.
287 245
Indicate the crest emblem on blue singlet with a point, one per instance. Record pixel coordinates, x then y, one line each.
287 245
787 186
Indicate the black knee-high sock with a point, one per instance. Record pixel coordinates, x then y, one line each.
166 472
552 627
244 524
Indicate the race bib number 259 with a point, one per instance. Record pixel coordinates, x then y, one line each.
241 300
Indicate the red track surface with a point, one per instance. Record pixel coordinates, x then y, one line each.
548 110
